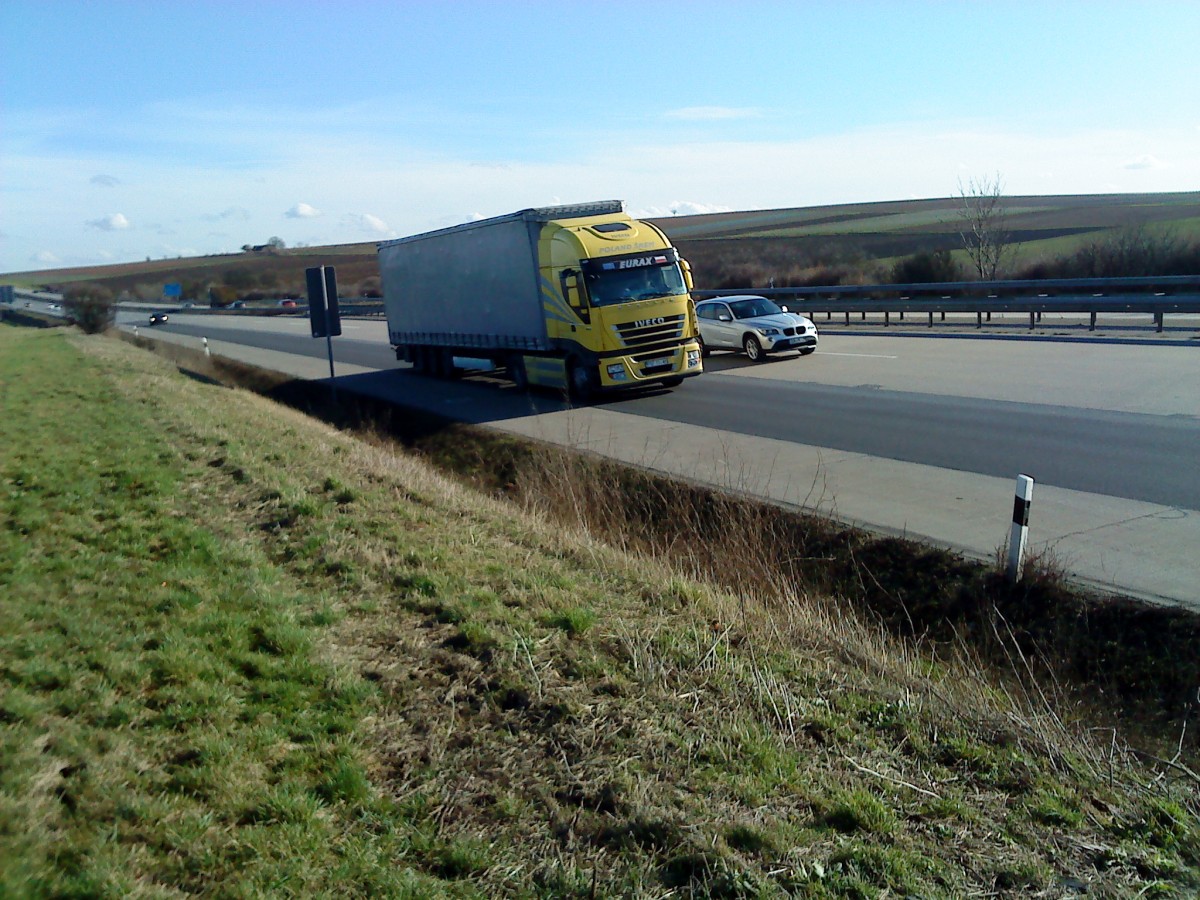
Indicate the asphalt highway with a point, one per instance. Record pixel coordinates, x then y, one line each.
1136 456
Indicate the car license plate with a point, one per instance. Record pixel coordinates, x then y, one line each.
655 363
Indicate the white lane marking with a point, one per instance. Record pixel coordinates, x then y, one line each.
862 355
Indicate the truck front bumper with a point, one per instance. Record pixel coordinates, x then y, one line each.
648 368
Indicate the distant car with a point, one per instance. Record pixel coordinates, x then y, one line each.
754 325
288 303
158 318
237 304
188 304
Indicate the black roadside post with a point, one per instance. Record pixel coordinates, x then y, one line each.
323 316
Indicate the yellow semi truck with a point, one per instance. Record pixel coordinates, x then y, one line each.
581 298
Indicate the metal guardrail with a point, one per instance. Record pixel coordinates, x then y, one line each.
1157 297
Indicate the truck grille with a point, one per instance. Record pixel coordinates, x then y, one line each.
650 331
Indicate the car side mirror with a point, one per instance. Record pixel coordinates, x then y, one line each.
784 308
723 317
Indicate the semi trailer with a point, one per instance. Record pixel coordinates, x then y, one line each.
580 298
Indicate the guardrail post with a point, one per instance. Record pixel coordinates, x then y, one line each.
1031 320
978 320
887 318
847 318
1020 527
1158 321
206 353
931 320
1092 321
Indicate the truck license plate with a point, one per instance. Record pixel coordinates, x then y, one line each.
655 363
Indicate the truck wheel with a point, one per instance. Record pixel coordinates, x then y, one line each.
672 382
581 386
753 348
704 351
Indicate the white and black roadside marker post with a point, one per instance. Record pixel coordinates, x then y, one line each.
1020 527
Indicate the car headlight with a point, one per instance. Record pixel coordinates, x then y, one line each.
768 332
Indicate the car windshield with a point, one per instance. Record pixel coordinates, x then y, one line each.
624 285
754 306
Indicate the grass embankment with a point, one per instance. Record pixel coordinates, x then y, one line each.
243 653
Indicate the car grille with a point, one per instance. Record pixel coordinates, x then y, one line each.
799 329
650 331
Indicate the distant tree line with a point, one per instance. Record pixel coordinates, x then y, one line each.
1134 251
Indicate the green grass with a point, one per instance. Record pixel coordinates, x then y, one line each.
224 674
165 718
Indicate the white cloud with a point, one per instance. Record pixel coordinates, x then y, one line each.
367 223
302 211
45 258
712 113
232 213
111 222
105 180
1146 161
679 208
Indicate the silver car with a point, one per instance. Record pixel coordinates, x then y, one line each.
755 325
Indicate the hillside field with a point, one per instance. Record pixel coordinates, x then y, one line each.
745 249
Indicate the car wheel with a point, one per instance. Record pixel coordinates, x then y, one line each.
704 351
753 348
808 351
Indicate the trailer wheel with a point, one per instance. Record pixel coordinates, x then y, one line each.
420 360
443 361
516 372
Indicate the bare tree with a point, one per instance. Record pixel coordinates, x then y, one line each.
984 232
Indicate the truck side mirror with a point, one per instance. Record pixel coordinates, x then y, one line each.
687 273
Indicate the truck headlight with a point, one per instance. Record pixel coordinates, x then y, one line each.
617 372
693 358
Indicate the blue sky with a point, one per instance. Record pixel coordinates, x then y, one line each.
157 129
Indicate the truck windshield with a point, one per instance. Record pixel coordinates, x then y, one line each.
625 285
